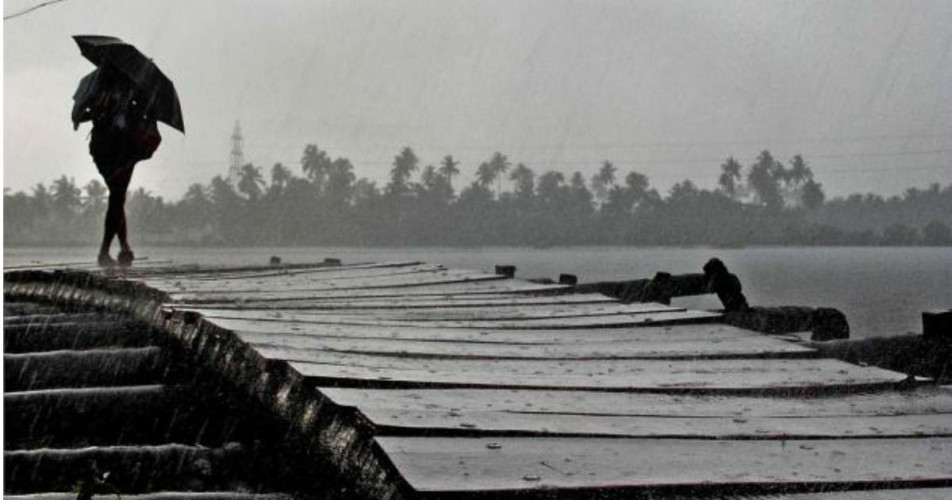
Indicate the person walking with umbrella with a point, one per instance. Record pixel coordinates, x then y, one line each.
124 97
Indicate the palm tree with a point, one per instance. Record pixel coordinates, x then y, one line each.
637 183
730 177
449 168
280 177
799 171
764 180
549 188
621 200
436 186
196 193
250 182
795 182
196 207
315 164
94 205
66 197
404 165
603 181
95 201
224 199
485 175
681 191
524 178
340 182
577 181
429 176
498 164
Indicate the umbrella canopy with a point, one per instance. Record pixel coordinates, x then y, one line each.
112 55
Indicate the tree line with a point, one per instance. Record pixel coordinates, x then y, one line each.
767 203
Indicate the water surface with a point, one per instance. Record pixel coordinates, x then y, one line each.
882 291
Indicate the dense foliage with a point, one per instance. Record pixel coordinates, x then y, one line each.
772 203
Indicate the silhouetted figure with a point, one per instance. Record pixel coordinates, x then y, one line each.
123 134
124 98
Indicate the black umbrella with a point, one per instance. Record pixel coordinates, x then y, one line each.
112 55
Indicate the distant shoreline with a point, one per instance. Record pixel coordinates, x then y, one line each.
79 246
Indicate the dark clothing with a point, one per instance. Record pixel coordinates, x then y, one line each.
122 132
113 145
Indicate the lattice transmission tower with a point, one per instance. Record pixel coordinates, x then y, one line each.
237 154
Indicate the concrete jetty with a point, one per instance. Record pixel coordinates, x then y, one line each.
411 380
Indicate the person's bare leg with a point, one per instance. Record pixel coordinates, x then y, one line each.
125 256
115 223
114 215
122 232
104 259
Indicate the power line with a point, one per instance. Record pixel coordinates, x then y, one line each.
832 172
31 9
683 161
884 169
707 161
666 144
618 163
825 171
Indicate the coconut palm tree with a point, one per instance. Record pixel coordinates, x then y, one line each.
795 182
404 164
485 175
637 183
196 207
799 172
280 177
498 164
66 197
730 178
603 181
315 164
449 167
250 182
429 176
95 199
764 180
621 200
340 182
549 189
196 194
524 179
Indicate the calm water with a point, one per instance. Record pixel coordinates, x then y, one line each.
881 290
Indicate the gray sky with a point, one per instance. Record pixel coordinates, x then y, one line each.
863 89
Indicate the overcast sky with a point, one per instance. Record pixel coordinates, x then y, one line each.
863 89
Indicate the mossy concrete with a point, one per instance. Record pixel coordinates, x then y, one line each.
340 440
